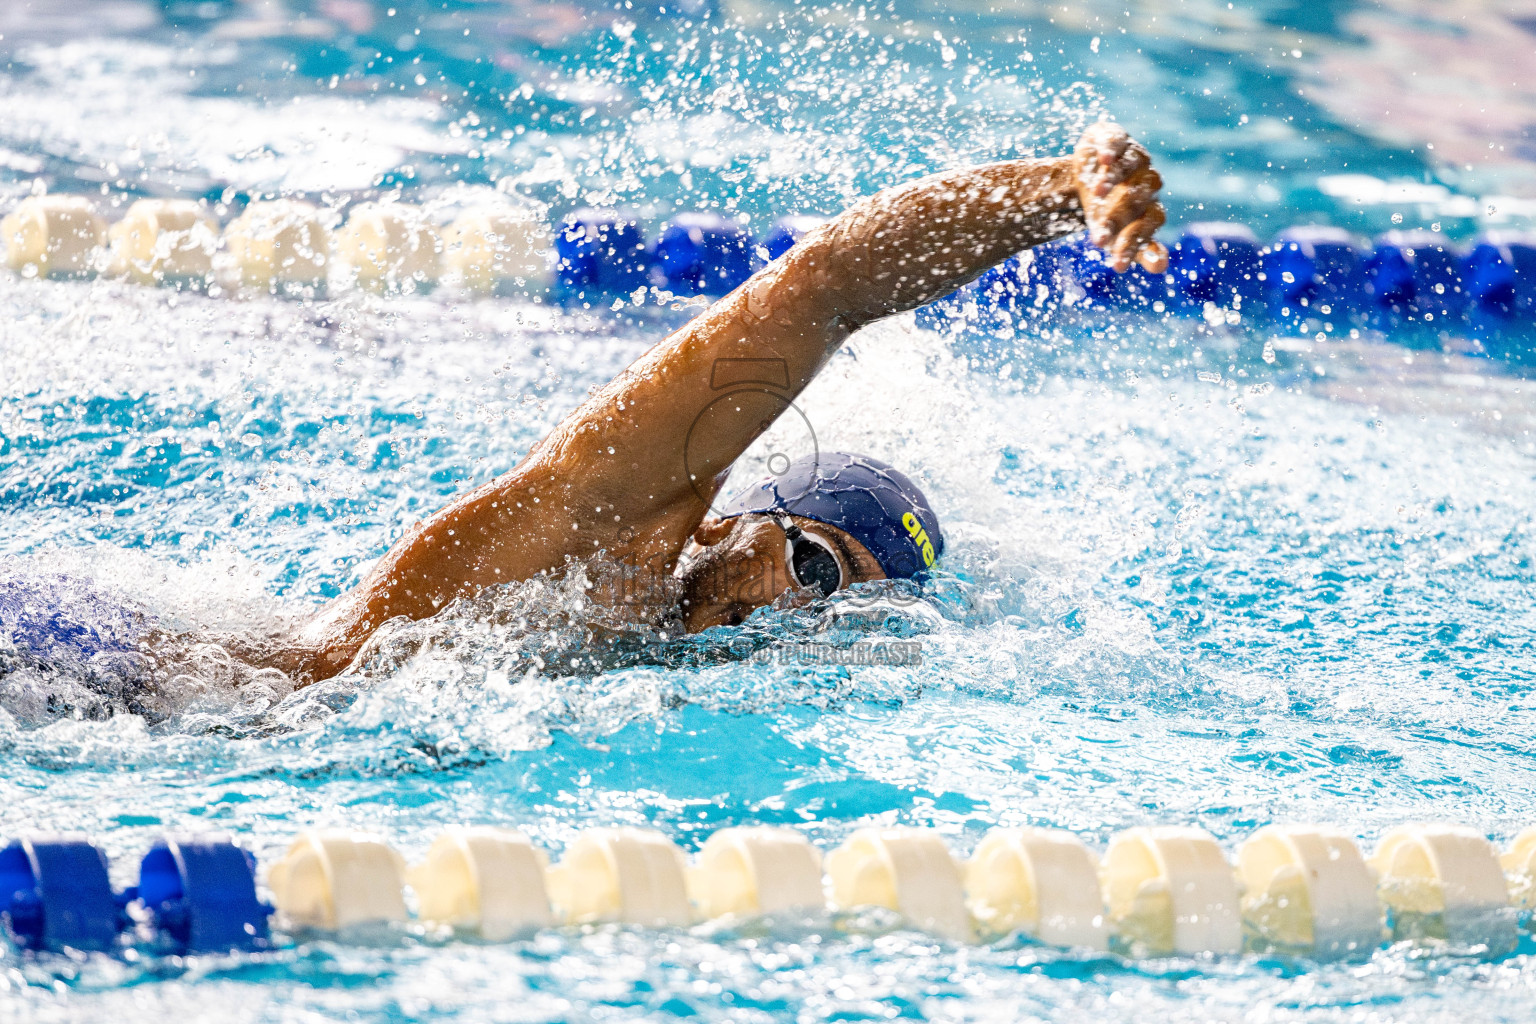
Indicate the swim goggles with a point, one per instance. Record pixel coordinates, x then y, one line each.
811 561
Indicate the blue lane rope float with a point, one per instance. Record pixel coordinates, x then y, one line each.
54 893
1218 263
1311 267
1416 275
600 251
1501 274
703 254
200 893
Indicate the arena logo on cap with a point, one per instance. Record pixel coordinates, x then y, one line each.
919 537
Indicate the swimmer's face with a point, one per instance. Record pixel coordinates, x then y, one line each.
731 567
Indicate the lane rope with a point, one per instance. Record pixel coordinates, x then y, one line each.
1157 891
1310 279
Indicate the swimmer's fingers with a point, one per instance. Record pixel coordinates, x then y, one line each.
1135 244
1099 155
1154 258
1126 203
1103 143
1134 161
1118 190
1106 155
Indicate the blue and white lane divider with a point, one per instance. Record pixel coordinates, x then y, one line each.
1309 278
1301 889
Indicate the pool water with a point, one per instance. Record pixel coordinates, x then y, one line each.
1193 574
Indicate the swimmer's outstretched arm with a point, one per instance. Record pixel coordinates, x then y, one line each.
631 472
894 251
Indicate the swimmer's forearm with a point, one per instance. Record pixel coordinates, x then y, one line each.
909 245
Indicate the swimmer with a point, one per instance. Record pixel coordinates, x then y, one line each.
633 473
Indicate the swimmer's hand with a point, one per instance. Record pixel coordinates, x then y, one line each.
1118 189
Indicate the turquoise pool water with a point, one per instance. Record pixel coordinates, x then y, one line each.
1194 576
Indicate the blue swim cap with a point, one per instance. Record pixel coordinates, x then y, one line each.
49 614
870 501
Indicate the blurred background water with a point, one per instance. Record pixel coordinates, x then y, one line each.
1192 576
